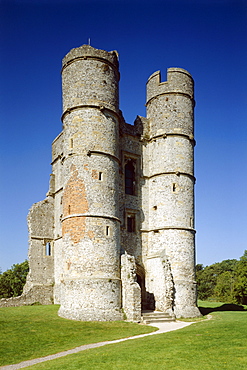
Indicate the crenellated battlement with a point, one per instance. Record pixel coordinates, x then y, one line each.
179 81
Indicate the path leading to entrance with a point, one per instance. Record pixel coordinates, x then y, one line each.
163 328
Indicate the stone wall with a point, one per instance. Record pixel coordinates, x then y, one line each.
131 291
40 279
41 294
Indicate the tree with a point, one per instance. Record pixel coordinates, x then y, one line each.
240 285
13 280
206 280
223 290
210 283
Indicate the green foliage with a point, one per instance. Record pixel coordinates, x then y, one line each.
240 284
13 280
224 281
223 289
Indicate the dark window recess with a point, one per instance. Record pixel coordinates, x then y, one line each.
130 177
131 223
48 249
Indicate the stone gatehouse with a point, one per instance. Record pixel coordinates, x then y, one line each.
115 234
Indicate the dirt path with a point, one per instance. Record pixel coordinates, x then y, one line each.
163 328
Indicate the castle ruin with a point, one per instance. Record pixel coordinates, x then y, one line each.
115 234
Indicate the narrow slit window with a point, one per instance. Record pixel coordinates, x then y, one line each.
71 143
174 187
69 209
131 223
107 230
130 177
100 176
48 249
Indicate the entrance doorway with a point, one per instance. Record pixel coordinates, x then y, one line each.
147 298
140 276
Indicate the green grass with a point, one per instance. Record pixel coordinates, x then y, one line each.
34 331
216 344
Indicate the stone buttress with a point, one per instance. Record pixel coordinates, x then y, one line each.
90 273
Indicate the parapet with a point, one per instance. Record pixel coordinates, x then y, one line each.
90 77
87 51
178 81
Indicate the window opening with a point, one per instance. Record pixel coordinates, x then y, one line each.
71 143
130 177
131 223
48 249
174 187
100 176
107 231
69 209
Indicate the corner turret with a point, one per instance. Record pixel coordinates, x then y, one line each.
89 272
170 174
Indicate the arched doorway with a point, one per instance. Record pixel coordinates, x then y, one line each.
140 277
147 298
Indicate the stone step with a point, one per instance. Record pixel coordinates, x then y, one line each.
149 317
153 321
154 313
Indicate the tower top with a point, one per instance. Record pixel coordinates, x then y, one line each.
178 81
87 52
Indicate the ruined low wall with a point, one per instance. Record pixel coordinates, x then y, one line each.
42 294
131 291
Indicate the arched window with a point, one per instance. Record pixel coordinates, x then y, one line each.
129 172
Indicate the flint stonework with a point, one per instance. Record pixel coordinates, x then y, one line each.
115 234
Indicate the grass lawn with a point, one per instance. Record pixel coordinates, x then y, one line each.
34 331
219 343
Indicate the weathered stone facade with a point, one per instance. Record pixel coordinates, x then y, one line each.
115 234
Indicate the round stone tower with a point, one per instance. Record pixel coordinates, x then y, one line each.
90 279
170 260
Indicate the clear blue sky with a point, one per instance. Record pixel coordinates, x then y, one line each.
206 37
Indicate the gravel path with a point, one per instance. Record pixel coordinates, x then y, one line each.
163 328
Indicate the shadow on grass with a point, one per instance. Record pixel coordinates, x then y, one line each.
224 307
